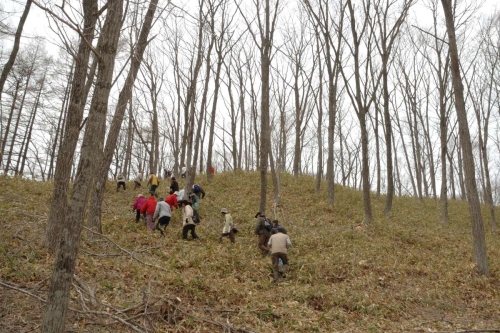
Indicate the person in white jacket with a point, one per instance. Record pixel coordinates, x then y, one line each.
187 220
279 244
163 214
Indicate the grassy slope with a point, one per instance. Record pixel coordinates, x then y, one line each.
404 274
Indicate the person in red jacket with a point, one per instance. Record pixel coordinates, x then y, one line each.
172 201
137 205
149 208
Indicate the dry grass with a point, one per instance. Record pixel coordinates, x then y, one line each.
408 273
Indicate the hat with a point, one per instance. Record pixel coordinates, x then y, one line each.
173 178
140 195
224 211
160 199
259 214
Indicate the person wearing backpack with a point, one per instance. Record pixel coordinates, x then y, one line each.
138 179
187 220
198 191
263 231
279 244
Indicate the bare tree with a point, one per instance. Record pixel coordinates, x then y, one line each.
78 98
17 39
116 123
64 267
266 26
479 246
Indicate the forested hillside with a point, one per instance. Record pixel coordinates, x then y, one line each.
407 273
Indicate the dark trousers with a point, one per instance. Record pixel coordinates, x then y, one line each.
136 185
275 259
187 228
120 184
263 240
228 234
164 221
138 215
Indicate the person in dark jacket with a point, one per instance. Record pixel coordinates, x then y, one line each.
275 227
174 185
198 191
262 232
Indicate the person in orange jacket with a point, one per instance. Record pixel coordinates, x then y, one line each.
149 208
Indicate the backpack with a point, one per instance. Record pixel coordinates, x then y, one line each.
267 224
196 188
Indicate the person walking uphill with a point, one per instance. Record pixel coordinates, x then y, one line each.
149 208
187 220
137 205
174 185
263 230
227 230
279 244
163 214
153 183
138 179
120 181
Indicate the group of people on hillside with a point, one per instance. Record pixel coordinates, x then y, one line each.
273 239
157 214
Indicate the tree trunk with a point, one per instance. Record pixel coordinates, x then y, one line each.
116 124
59 203
13 54
91 151
479 242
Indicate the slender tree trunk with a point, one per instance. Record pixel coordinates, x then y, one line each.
9 120
13 54
116 124
59 202
479 242
31 123
60 284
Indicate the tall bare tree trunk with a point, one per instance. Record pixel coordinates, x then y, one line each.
13 54
59 203
60 283
479 242
116 123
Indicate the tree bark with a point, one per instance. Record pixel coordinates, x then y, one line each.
59 203
91 152
116 124
13 54
479 242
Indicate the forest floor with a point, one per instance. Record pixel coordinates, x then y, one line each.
407 273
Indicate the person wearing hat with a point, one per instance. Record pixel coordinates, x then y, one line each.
263 231
279 244
227 230
187 220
